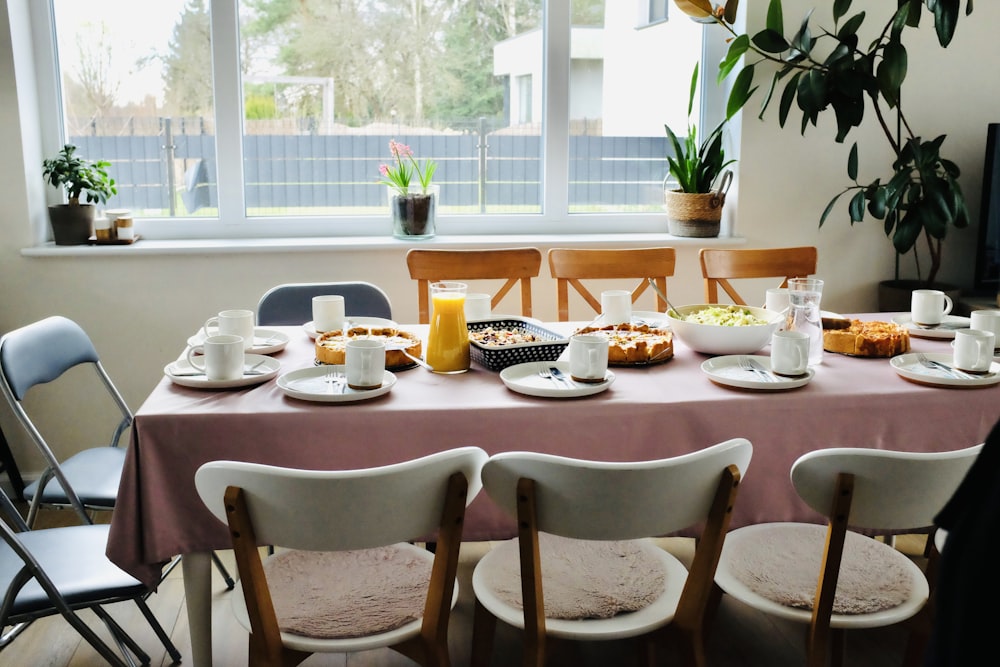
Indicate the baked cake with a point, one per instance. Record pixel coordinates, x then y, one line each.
635 344
330 346
868 339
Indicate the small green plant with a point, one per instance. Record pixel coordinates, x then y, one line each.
399 176
79 177
696 167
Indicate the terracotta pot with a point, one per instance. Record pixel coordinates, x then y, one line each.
72 225
894 295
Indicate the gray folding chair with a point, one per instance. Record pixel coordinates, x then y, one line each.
63 571
291 303
87 481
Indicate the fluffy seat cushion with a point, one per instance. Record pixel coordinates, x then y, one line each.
338 595
783 562
582 579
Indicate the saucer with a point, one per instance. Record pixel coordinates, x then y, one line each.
265 341
949 323
182 373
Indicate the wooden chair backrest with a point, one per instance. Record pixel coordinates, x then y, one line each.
569 266
719 265
510 264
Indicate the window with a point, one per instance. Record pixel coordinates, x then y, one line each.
246 118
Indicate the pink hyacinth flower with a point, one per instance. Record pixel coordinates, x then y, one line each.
399 150
383 169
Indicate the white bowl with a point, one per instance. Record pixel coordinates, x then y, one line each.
717 339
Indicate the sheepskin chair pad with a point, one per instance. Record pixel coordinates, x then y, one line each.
583 579
344 594
783 565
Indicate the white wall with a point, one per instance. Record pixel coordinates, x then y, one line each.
140 308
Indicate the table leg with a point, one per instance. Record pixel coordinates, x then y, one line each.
197 569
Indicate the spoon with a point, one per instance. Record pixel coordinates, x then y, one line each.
652 283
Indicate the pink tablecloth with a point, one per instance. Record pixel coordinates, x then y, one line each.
648 413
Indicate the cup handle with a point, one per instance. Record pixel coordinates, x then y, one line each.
947 305
191 356
212 321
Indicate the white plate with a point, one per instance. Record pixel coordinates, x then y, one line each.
178 372
726 370
370 322
309 384
949 323
524 379
265 341
911 369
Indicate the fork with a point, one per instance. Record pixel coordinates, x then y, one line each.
937 365
748 364
547 374
336 380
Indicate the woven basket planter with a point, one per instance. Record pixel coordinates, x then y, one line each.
693 214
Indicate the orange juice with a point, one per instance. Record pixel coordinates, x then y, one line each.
448 339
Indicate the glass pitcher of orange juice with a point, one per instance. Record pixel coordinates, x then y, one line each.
448 339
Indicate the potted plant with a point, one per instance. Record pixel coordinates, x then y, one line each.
693 203
72 222
414 210
820 69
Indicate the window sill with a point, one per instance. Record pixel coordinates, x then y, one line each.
353 243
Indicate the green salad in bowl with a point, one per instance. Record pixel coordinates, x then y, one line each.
724 329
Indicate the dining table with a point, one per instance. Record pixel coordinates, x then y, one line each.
646 412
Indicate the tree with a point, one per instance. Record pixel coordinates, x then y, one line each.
188 85
93 70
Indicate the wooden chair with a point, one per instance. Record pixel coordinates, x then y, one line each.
570 266
855 581
719 265
509 264
345 537
591 516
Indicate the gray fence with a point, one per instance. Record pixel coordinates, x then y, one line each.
295 171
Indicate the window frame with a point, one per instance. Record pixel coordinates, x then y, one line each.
232 223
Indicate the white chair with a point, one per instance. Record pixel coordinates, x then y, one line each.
346 533
832 579
605 510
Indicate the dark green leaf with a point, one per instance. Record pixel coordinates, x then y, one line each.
787 97
852 163
876 200
945 20
694 86
908 230
741 91
775 17
829 207
914 9
840 8
770 41
803 40
857 207
850 28
892 71
729 14
736 50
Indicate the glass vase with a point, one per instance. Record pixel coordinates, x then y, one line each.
414 214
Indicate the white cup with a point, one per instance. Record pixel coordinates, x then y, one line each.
328 312
974 350
789 352
221 357
986 320
365 361
478 307
588 358
616 306
928 306
235 322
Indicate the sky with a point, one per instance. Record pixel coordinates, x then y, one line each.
136 28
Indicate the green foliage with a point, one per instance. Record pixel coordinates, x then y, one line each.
259 107
696 167
79 177
816 69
